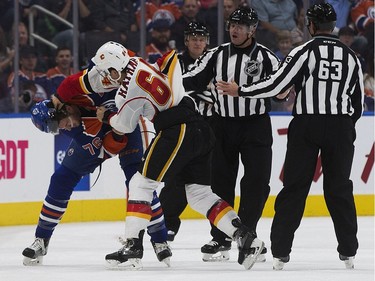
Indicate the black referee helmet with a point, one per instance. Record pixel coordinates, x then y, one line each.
322 15
196 28
243 15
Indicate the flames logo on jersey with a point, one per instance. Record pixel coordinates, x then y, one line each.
252 68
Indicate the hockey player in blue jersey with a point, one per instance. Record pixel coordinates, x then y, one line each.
77 119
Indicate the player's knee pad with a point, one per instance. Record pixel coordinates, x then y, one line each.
141 188
200 197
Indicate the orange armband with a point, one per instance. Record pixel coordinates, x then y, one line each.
114 143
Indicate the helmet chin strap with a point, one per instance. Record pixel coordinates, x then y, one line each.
244 42
116 81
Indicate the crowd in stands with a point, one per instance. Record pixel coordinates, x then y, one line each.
42 68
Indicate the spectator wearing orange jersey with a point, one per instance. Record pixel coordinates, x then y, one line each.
152 6
62 69
363 14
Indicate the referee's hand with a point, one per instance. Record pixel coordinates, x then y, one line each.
227 88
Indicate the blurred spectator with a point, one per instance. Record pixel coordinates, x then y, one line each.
359 46
6 62
62 69
7 14
56 31
30 94
284 46
160 37
210 19
299 4
274 15
284 43
342 9
346 35
207 4
156 5
112 20
369 83
23 34
28 62
362 14
298 36
23 39
189 10
113 16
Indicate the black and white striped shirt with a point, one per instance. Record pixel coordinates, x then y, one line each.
228 63
327 76
204 99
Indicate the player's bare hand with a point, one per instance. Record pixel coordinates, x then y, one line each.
100 113
227 88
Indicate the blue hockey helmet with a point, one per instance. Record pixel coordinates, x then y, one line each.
45 117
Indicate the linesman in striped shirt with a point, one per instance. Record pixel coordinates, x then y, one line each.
242 126
328 81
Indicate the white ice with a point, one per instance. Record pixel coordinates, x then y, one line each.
77 252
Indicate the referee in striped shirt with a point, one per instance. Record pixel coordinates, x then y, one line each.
328 81
242 126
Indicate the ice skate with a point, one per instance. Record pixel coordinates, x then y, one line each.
213 251
128 257
349 261
262 255
33 255
278 262
249 247
163 252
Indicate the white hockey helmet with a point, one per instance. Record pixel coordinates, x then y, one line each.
111 55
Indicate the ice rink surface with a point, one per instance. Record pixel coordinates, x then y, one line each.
77 251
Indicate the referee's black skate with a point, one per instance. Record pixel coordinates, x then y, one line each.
249 246
128 257
33 255
214 251
163 252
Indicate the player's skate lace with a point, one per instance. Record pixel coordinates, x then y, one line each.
33 254
132 249
215 251
349 261
162 251
214 247
127 257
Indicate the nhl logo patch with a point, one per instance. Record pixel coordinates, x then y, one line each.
252 68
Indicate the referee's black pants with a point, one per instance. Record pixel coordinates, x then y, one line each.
248 139
333 136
